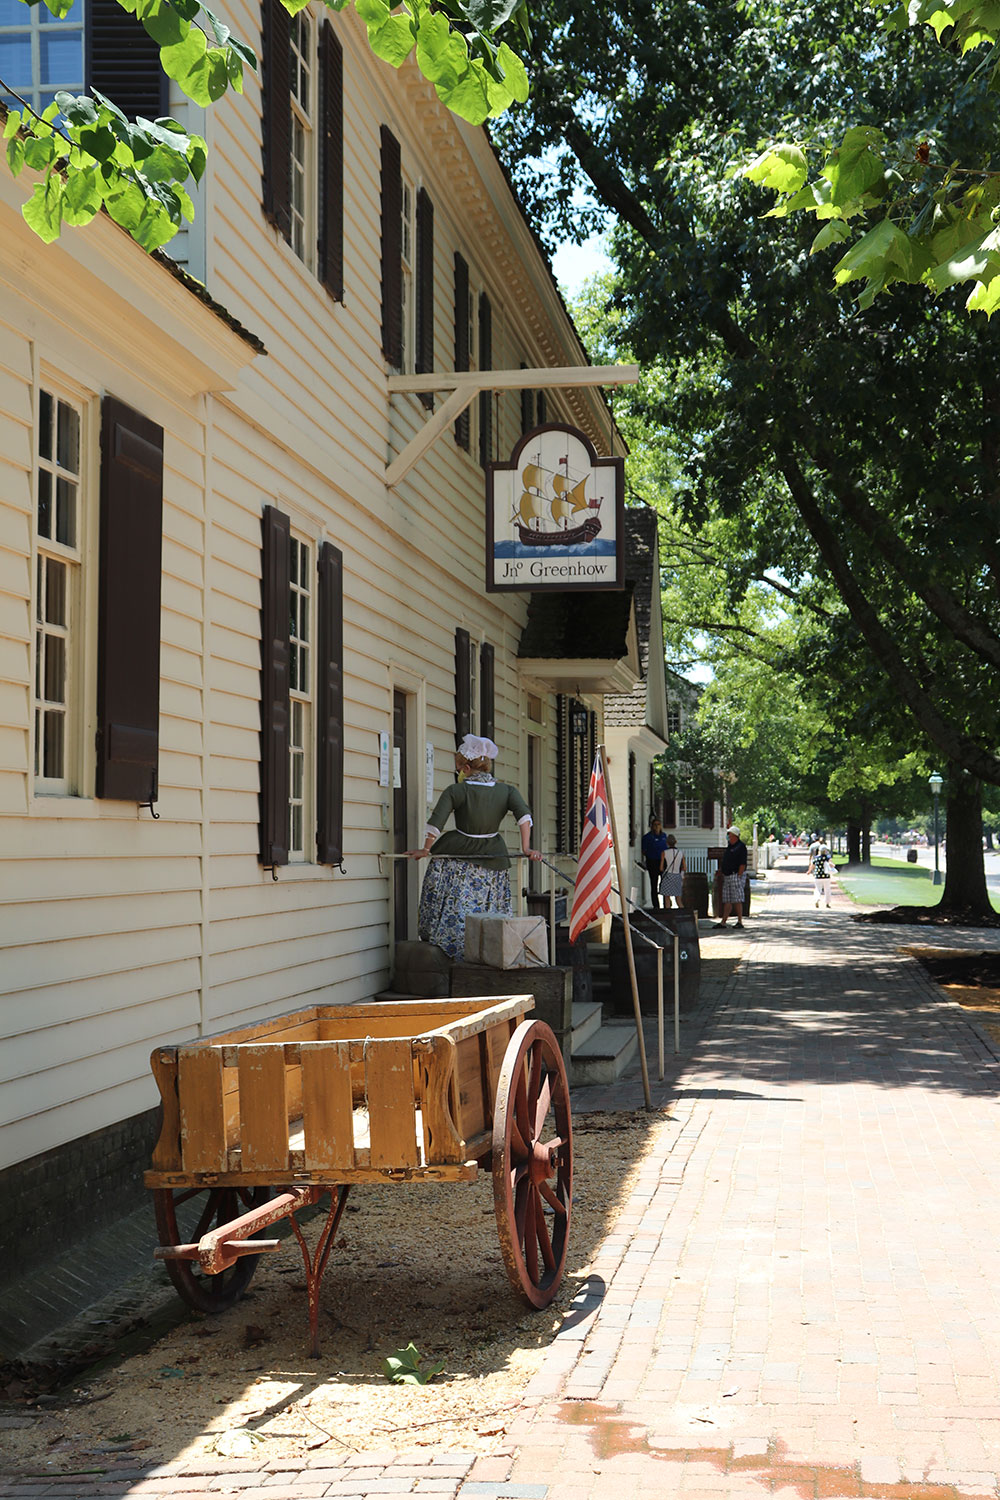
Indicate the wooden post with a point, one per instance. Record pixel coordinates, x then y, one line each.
659 1005
677 993
552 918
628 931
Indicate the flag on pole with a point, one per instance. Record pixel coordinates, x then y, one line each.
592 896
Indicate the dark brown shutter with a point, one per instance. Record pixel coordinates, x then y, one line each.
330 247
392 250
631 797
527 405
541 409
463 684
330 708
669 819
487 714
485 397
276 124
577 794
562 775
708 814
425 289
128 609
462 341
274 684
123 61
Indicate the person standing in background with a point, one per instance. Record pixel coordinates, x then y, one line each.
734 874
654 847
821 865
672 879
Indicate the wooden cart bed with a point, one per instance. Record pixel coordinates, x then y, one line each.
335 1094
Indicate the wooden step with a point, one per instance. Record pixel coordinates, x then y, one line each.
587 1019
605 1056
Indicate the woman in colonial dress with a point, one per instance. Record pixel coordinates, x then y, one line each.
469 866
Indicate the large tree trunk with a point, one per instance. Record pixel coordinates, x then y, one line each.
853 841
866 834
965 879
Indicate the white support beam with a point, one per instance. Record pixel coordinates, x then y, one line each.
515 380
465 386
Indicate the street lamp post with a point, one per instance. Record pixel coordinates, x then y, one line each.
936 782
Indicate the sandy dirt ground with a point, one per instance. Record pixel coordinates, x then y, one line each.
411 1263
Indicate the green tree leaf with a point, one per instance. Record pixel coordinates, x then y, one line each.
43 210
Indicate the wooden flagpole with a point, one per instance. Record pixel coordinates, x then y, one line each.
628 931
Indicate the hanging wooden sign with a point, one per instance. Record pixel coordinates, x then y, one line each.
554 515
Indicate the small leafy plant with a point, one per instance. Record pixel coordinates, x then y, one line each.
407 1367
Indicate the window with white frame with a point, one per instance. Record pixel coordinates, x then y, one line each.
302 77
41 53
300 616
673 719
689 812
58 526
407 243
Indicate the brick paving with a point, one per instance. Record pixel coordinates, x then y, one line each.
801 1297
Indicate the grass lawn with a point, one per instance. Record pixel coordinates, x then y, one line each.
892 882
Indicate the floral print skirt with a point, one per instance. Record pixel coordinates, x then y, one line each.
454 889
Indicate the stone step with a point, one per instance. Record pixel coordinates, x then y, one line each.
605 1057
587 1018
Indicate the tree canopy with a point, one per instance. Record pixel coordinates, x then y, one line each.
917 204
856 455
92 157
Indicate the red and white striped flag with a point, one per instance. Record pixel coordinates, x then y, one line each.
592 897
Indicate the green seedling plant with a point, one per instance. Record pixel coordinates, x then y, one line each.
407 1367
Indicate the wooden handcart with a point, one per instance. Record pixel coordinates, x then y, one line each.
264 1121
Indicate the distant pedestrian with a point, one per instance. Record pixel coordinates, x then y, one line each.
821 865
654 846
734 874
672 879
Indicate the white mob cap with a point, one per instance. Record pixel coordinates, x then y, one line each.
476 747
733 830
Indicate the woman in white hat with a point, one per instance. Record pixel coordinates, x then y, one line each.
475 879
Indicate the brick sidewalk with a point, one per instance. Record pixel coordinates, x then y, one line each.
802 1296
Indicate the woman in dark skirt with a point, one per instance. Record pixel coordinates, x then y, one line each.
478 881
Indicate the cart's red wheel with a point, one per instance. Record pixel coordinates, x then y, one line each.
203 1209
533 1162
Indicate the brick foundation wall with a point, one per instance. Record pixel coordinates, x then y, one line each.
51 1200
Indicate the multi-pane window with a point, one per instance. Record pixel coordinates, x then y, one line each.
673 720
39 53
689 812
407 261
300 697
302 74
57 586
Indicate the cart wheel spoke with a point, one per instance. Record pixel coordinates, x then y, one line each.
543 1106
535 1081
545 1244
531 1236
209 1294
529 1177
556 1204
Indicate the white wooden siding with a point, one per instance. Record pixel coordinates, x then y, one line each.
117 932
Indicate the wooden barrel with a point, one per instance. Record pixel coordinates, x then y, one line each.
694 892
685 924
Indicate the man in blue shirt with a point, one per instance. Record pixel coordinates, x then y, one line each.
654 847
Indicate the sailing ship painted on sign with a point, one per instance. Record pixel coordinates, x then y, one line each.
554 514
553 507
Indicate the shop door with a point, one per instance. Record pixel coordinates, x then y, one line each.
400 820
